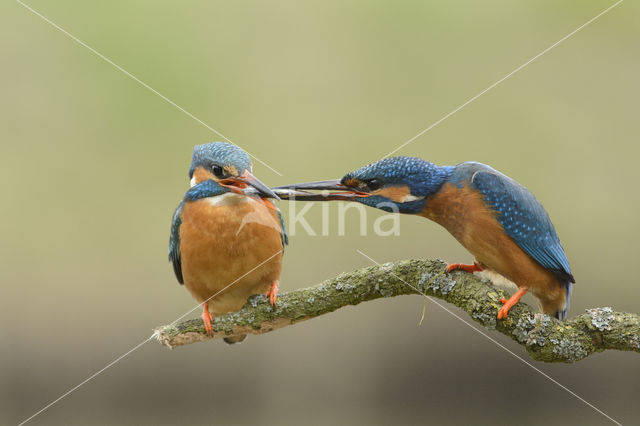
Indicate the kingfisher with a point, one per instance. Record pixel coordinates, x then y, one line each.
226 242
496 219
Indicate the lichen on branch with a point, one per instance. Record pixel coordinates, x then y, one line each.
545 338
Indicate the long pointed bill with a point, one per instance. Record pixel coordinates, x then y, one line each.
238 184
298 191
320 185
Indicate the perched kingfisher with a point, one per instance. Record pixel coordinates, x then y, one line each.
494 217
226 243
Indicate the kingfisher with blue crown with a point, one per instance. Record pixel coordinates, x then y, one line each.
227 237
495 218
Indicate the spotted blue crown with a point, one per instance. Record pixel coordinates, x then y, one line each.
421 177
219 153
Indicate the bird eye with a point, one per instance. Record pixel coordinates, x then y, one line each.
374 184
217 171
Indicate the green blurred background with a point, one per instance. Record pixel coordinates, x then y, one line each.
93 164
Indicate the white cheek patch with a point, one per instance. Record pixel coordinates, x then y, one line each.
407 198
193 181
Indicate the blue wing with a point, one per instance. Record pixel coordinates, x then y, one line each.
174 242
204 189
285 237
523 219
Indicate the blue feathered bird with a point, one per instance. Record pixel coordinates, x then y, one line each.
494 217
225 243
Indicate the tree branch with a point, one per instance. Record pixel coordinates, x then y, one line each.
545 338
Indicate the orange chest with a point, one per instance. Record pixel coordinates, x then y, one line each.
230 247
228 221
463 213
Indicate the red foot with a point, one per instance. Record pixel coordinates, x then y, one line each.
206 318
464 267
272 294
508 304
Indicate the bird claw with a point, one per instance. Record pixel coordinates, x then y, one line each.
508 304
272 294
502 313
463 267
206 319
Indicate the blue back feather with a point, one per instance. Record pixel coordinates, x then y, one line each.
522 217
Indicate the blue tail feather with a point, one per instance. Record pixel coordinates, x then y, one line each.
561 315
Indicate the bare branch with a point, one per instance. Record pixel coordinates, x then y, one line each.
545 338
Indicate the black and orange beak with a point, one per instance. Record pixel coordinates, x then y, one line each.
246 179
299 192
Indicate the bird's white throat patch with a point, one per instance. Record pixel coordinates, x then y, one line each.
228 198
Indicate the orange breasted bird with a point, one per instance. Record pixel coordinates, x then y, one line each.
226 244
494 217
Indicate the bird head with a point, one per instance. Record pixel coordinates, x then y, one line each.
228 166
398 184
